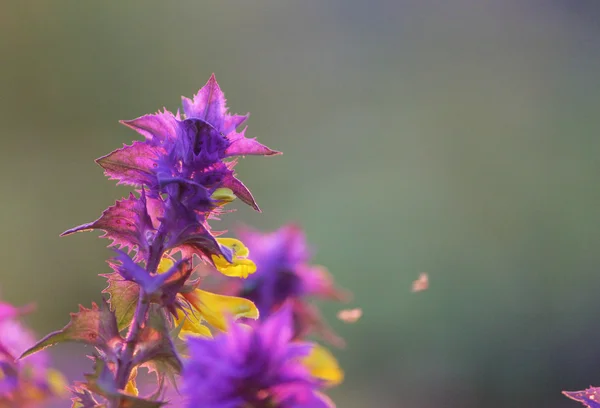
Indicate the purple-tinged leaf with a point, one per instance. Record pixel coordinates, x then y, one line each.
126 223
590 397
123 298
155 349
243 146
83 398
240 191
157 128
209 104
95 326
134 165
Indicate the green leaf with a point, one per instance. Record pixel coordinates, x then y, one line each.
123 299
95 326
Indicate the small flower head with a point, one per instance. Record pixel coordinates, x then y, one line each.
258 367
284 273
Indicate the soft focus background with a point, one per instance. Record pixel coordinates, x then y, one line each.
459 138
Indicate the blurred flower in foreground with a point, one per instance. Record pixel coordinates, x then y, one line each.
28 382
258 367
284 273
590 397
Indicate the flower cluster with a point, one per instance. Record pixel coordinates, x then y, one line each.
27 382
284 274
242 349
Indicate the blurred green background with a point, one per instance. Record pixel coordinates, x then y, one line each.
458 138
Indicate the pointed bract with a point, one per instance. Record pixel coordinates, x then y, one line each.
127 224
589 397
209 104
243 146
96 326
133 165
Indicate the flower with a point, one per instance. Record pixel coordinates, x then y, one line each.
284 273
194 308
258 367
26 382
184 168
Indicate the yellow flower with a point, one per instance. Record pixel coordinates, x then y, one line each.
240 266
209 307
215 308
131 387
192 325
323 365
223 196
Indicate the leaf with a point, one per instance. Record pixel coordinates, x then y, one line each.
123 298
155 349
589 397
156 128
134 165
102 382
243 146
95 326
83 398
127 224
241 191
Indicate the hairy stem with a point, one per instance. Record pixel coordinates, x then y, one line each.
140 319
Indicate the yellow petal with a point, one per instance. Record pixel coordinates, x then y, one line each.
57 383
237 246
215 308
131 387
224 195
240 265
323 365
240 268
192 325
165 264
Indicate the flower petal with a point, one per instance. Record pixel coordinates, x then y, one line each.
192 325
323 365
215 308
240 266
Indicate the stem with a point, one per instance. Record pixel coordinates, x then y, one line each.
140 319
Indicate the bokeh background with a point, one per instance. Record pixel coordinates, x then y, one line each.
458 138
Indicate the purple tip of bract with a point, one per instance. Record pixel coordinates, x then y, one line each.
210 105
589 397
258 367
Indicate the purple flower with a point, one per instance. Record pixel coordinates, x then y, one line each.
258 367
182 162
284 273
23 382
